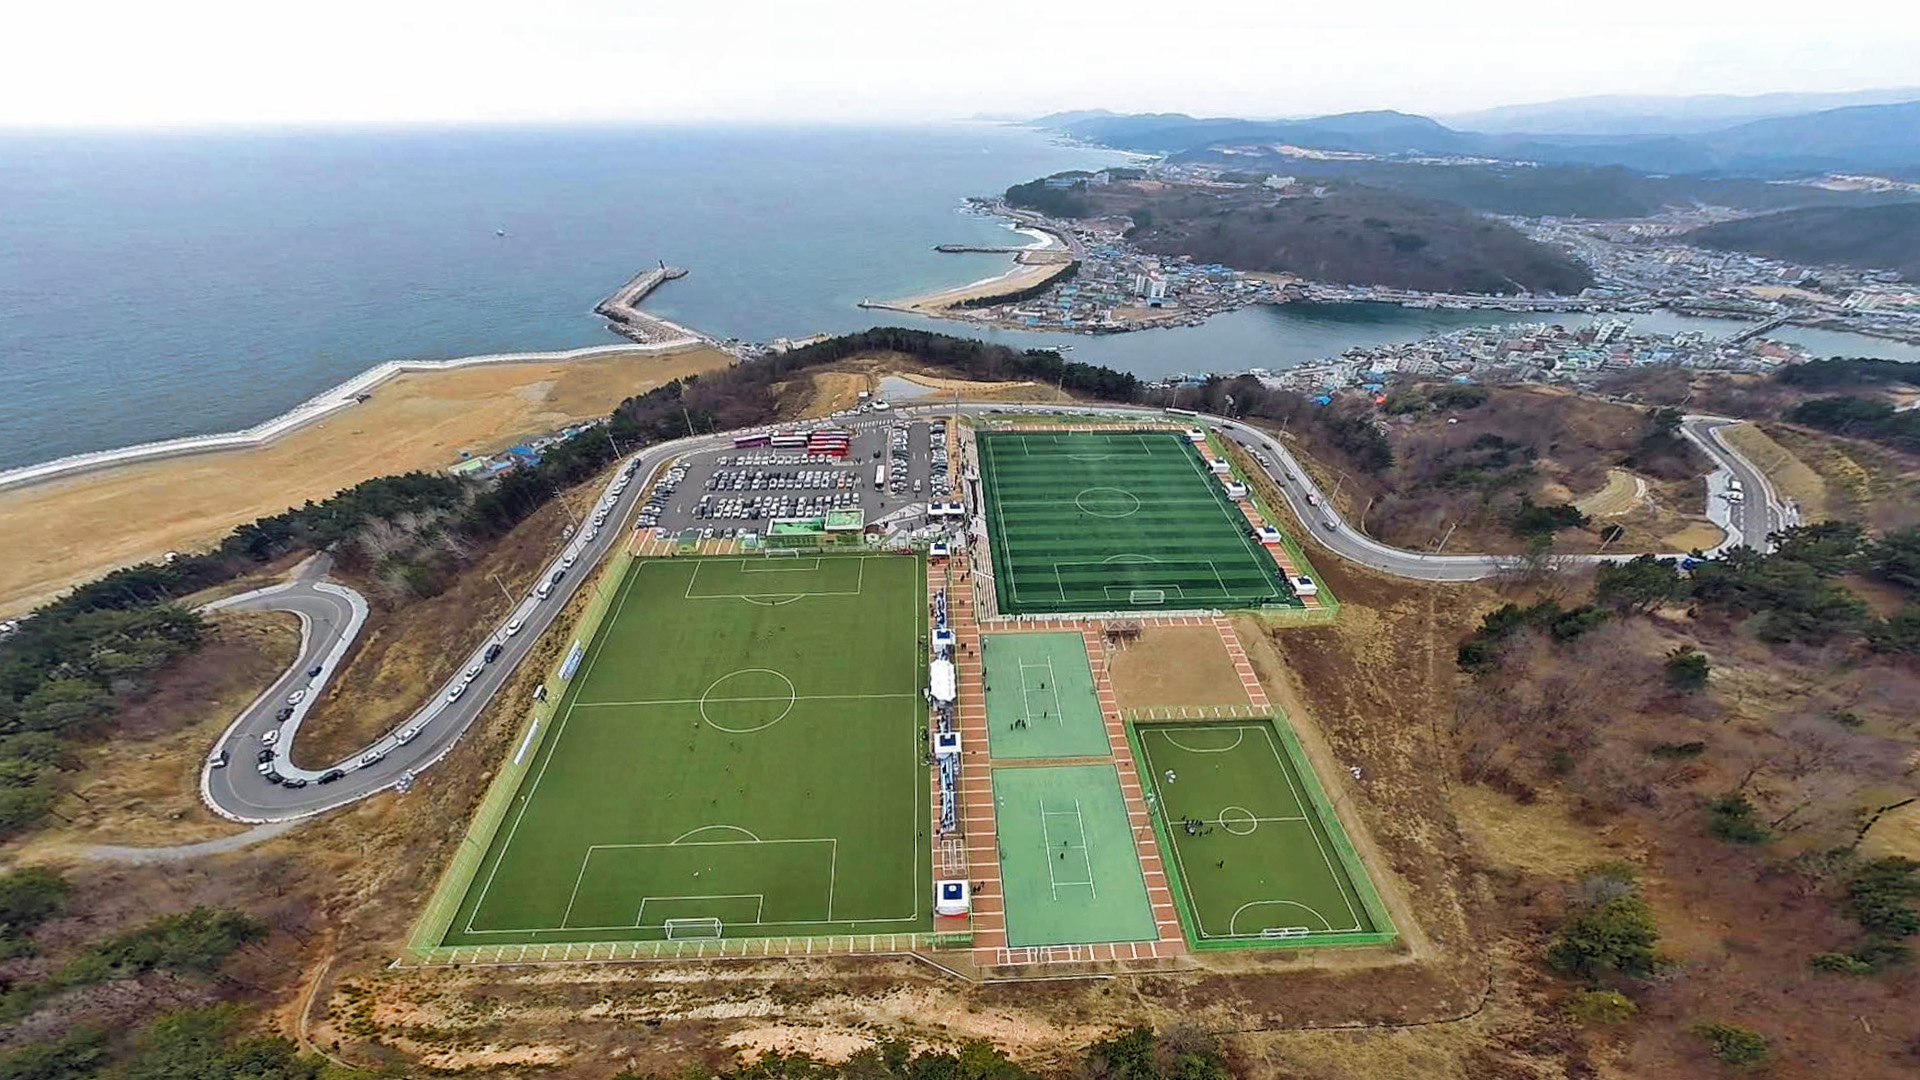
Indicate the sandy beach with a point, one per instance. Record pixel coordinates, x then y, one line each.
70 530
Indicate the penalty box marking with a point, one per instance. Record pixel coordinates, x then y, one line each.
833 871
743 565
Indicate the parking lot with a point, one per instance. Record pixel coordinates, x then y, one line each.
736 491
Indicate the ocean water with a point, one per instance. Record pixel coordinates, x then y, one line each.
153 286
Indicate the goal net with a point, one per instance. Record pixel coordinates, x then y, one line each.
1147 596
1285 932
692 929
783 553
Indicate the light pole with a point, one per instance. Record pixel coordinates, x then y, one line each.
503 586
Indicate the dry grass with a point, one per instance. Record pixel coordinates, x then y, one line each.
72 530
404 653
1864 482
1174 666
1623 491
141 785
1790 476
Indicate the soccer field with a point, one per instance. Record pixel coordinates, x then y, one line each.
1115 521
1259 858
739 755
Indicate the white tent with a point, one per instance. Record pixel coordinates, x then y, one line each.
940 675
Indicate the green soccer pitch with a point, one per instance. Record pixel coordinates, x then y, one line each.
1115 521
1257 855
739 755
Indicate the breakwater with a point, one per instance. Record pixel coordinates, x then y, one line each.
623 314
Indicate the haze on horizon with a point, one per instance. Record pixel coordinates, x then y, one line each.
202 63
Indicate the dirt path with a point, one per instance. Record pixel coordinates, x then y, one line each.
118 853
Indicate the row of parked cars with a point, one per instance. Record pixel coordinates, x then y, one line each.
656 503
937 456
898 453
756 507
779 480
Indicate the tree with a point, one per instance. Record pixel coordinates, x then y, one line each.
1831 548
1731 818
1687 669
1638 585
28 897
1532 519
1895 558
1733 1044
1610 929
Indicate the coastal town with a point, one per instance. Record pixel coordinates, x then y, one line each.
1536 352
1112 286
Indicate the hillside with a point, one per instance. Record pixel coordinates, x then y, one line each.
1858 137
1353 235
1885 237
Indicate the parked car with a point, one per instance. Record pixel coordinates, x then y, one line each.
264 756
296 697
331 775
296 782
285 711
218 760
514 627
372 756
493 652
407 735
269 736
314 671
458 689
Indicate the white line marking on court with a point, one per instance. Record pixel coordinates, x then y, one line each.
1238 735
723 700
751 835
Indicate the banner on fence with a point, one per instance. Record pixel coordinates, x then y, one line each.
572 661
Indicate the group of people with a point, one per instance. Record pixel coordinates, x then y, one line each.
1196 827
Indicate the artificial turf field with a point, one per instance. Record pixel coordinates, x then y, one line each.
742 743
1067 859
1040 697
1264 865
1115 521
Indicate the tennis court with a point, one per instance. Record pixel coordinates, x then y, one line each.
739 755
1115 521
1258 857
1067 859
1040 697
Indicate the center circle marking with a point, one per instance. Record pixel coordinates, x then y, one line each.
710 696
1239 816
1107 502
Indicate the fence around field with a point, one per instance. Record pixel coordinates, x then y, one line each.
586 952
431 928
1266 496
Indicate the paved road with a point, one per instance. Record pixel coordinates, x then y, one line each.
331 614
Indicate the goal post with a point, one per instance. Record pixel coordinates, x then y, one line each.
1147 596
697 929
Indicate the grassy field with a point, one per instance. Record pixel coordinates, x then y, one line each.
1115 521
1255 857
742 744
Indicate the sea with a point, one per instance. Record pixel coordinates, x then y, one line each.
166 284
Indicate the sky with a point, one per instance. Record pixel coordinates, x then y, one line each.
197 63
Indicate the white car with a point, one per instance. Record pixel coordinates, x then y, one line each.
473 670
372 756
270 737
407 736
591 533
514 627
264 768
296 697
458 689
567 563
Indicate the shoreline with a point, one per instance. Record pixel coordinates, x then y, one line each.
319 407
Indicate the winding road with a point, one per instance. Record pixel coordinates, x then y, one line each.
331 616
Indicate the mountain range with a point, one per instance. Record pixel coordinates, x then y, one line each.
1659 114
1877 137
